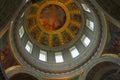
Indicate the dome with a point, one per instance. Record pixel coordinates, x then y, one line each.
59 37
53 23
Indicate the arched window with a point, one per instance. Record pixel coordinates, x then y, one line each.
21 32
43 55
85 7
74 52
85 40
90 24
29 47
58 57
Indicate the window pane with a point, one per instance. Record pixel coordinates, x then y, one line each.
85 40
26 0
85 7
29 46
21 31
58 57
90 24
74 52
22 15
43 55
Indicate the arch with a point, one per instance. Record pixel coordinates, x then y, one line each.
16 70
112 16
112 60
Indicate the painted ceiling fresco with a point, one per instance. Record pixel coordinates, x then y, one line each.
54 25
52 17
7 57
113 45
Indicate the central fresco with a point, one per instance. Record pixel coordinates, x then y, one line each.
54 23
52 17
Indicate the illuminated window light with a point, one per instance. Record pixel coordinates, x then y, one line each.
74 52
26 0
58 57
85 40
21 32
22 15
90 24
29 47
12 22
85 7
43 55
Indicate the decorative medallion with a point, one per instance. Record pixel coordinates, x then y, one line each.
54 22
